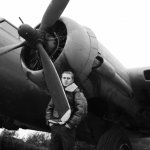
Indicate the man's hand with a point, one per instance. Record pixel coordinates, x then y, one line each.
61 123
67 126
50 124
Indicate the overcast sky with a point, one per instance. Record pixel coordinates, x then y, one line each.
122 26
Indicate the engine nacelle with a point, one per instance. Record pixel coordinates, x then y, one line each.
36 77
30 59
76 50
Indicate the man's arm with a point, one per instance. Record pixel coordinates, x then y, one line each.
49 111
80 109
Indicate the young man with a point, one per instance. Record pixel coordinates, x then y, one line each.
63 135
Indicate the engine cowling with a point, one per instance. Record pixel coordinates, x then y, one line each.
30 59
76 50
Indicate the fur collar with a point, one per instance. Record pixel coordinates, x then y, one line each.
71 88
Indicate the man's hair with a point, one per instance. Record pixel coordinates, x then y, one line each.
68 72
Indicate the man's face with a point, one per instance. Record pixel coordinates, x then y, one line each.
66 79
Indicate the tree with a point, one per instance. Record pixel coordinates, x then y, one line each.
8 133
38 139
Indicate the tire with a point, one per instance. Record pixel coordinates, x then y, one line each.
114 139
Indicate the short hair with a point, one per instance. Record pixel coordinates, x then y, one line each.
68 72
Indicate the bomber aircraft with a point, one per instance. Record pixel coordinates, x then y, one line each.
31 61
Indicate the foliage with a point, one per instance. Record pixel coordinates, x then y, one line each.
7 142
38 139
8 133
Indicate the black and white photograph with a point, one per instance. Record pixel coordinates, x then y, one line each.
75 75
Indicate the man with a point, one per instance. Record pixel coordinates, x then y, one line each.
63 135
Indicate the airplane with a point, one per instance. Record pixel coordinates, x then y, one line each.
118 98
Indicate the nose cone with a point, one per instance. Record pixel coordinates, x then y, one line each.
28 33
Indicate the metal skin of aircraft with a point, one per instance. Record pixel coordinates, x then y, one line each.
118 98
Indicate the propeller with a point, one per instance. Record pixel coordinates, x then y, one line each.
34 38
54 85
52 13
9 48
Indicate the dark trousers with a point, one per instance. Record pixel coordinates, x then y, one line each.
62 138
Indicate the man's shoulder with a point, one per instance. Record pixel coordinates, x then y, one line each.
79 94
77 90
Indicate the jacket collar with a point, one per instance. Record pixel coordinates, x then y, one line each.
71 88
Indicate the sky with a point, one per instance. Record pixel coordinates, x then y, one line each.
122 26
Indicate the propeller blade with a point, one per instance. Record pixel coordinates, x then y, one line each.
54 85
52 14
6 49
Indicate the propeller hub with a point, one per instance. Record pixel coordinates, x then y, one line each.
28 33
